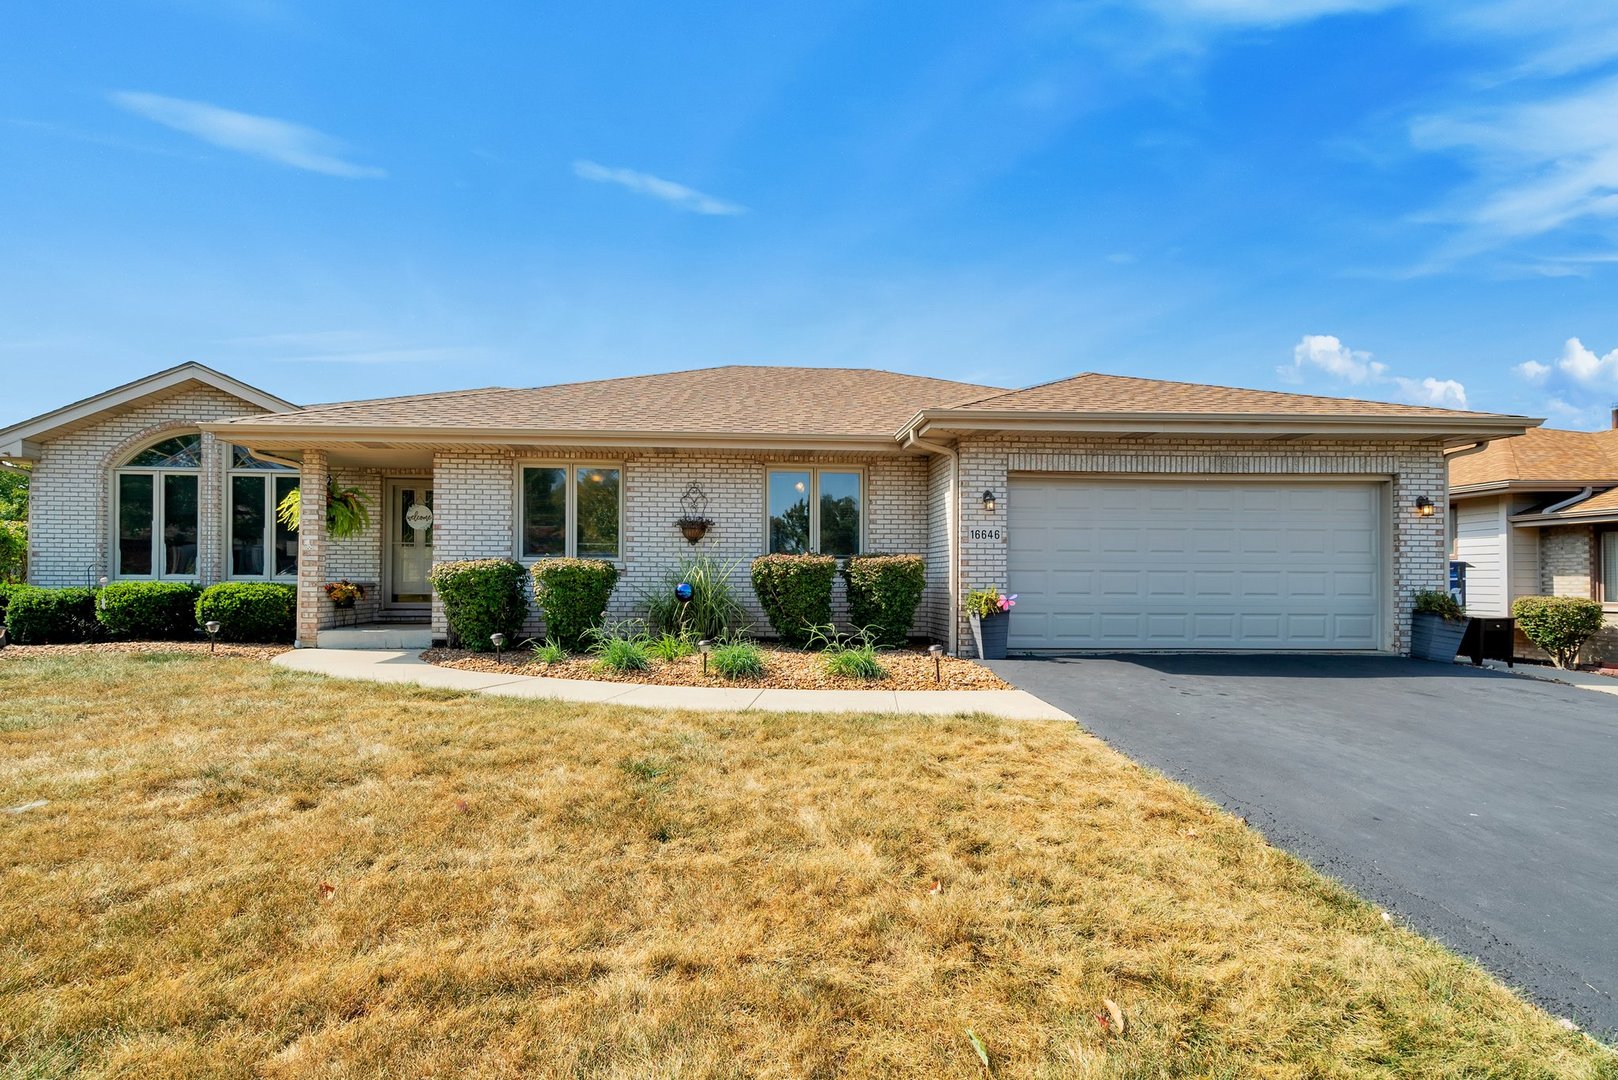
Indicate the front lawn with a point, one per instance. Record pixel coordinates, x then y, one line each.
240 871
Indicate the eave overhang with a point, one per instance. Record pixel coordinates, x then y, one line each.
292 436
1456 430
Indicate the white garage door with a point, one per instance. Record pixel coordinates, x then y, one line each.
1142 564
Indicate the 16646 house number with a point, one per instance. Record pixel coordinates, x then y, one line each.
986 534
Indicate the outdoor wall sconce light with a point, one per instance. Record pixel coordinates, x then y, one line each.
988 502
937 653
212 626
705 646
1425 507
499 641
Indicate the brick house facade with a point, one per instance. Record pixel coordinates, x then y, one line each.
920 464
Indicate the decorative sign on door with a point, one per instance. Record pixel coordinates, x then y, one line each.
419 516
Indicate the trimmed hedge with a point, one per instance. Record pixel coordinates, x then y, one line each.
795 592
256 611
481 597
1559 624
38 616
149 610
572 594
883 594
6 589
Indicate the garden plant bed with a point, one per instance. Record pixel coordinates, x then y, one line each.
784 669
246 652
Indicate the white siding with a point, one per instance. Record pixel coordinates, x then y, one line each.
1481 544
1524 561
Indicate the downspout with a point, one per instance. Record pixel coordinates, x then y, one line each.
1565 503
952 527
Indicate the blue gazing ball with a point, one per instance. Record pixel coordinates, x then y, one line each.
682 592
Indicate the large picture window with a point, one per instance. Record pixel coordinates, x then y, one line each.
571 510
815 510
156 511
260 546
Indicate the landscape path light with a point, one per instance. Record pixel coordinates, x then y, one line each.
499 644
212 626
705 646
937 653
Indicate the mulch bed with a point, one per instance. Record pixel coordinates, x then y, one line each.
784 669
248 652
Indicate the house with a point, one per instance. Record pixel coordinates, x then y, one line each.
1537 515
1127 513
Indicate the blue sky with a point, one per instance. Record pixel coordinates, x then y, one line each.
1397 200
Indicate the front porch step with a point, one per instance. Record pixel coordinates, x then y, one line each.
398 636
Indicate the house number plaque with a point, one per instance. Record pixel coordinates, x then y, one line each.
986 534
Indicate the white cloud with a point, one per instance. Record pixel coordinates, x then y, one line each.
1532 370
1327 353
1583 365
676 195
1263 12
1542 165
1444 393
1330 355
261 136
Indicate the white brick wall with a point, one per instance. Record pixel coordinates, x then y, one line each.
70 530
1420 557
475 500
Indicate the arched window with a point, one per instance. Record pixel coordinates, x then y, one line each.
156 511
260 546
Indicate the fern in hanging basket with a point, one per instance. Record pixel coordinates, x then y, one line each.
347 513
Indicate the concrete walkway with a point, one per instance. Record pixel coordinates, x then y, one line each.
377 665
1584 680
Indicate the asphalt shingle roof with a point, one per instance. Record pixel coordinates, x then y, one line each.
1541 455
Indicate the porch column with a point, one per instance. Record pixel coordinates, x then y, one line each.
311 545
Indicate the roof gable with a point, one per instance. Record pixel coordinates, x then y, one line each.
20 441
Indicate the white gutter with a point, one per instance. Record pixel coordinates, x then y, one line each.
952 529
1565 503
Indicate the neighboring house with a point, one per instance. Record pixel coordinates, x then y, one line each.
1537 515
1127 513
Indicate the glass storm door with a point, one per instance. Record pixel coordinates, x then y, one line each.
410 543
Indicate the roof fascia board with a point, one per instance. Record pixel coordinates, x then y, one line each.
1461 428
23 439
291 436
1496 487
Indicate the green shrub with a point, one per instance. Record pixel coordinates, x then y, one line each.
573 595
1442 604
712 611
671 646
795 592
621 647
13 551
6 589
257 611
883 594
1558 624
850 657
549 652
149 610
38 616
737 660
482 597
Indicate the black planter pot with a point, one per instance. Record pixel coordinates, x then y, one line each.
995 630
1433 637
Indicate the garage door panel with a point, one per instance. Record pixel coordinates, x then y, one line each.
1218 565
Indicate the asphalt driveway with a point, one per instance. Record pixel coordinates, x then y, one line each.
1482 808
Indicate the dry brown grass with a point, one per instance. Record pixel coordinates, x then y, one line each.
539 889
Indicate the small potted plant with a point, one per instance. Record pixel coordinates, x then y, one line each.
990 615
1437 626
343 594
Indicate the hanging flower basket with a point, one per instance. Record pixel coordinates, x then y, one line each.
694 528
695 522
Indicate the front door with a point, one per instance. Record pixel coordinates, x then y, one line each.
409 545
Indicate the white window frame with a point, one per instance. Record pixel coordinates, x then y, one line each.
570 516
814 472
227 510
159 517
